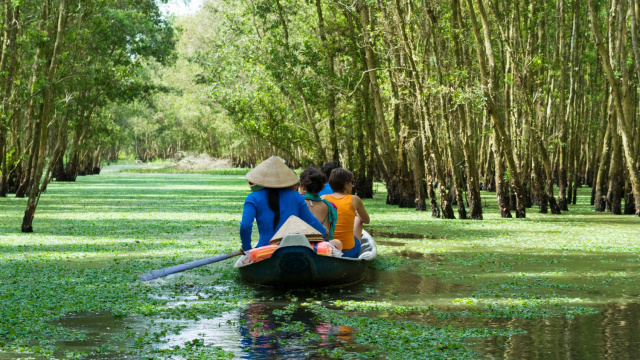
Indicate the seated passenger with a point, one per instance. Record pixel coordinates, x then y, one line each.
351 212
327 168
272 202
311 182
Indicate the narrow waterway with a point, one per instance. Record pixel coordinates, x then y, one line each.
538 288
276 325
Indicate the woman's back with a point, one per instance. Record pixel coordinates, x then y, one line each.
346 216
320 210
255 206
311 183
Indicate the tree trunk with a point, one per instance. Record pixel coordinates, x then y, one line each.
502 184
490 171
627 139
381 124
427 129
366 189
549 197
537 184
406 185
433 203
417 169
629 202
83 124
8 69
331 105
577 180
563 114
311 117
600 187
26 183
46 112
455 171
60 148
471 168
457 182
488 76
616 182
360 141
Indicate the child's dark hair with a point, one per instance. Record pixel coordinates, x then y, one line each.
339 179
328 167
312 180
274 204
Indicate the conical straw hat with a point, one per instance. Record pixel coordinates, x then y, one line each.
295 225
272 173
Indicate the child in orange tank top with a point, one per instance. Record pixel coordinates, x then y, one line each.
351 212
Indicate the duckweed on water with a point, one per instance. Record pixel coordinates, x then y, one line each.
457 289
170 170
365 306
409 340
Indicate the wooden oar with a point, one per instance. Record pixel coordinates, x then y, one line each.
186 266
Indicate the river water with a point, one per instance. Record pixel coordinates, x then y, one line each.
271 328
553 303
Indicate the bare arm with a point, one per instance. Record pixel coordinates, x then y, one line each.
360 210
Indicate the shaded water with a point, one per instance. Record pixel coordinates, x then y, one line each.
265 335
610 334
12 356
264 330
394 235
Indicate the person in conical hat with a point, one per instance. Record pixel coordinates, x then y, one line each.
272 202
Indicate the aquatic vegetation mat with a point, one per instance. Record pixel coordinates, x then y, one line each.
537 288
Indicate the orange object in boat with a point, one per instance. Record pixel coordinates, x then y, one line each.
322 248
261 253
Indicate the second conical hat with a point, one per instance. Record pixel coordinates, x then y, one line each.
295 225
272 173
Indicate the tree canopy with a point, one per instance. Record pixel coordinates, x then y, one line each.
437 99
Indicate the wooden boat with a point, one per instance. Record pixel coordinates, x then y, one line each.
295 263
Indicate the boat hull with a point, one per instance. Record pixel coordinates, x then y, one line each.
300 266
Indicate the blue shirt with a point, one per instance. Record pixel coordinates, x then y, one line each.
326 190
256 206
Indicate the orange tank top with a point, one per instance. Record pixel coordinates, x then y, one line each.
346 216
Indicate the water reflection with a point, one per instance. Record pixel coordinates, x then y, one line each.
280 329
16 356
101 329
612 334
219 331
274 332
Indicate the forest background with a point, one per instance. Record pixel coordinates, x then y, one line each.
437 99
